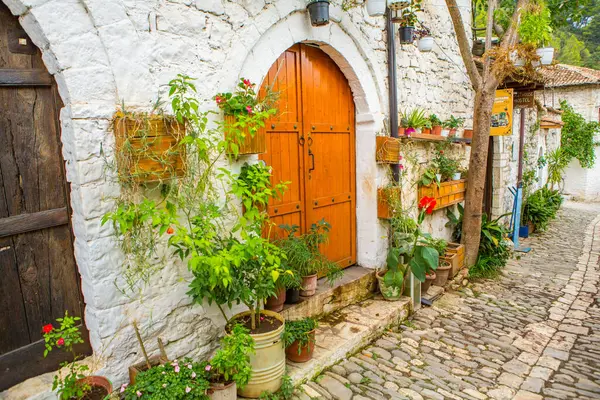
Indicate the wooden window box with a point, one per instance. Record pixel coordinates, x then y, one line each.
387 150
384 210
458 250
447 194
256 144
148 148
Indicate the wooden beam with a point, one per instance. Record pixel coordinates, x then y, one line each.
33 222
24 77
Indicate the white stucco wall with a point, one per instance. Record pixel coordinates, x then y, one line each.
582 183
102 52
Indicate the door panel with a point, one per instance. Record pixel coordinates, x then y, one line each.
40 278
311 145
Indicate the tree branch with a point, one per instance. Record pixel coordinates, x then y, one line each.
489 30
511 36
463 44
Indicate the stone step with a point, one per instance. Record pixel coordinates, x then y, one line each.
357 284
345 331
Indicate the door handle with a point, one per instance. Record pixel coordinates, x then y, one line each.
301 140
312 156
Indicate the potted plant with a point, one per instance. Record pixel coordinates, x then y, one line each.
376 7
425 40
535 29
244 117
303 255
468 133
177 380
407 20
445 166
445 265
413 121
426 129
76 384
452 124
299 339
430 176
436 125
230 367
408 252
319 12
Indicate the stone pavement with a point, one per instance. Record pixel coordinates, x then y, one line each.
532 334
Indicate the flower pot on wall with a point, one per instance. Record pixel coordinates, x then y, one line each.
426 131
303 354
456 176
387 150
218 391
425 44
319 12
468 134
384 195
256 144
446 193
546 55
268 361
445 132
407 34
376 7
436 130
275 303
309 285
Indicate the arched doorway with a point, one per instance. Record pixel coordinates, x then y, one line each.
311 143
39 277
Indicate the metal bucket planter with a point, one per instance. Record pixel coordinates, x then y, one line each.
407 34
319 12
222 392
268 361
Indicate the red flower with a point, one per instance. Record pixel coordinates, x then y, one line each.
427 203
60 342
170 231
401 166
441 151
47 328
247 82
249 109
219 99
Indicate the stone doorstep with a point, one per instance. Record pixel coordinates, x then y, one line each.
356 284
346 331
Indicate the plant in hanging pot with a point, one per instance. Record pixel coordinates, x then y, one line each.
299 339
230 367
75 383
376 8
407 19
436 125
245 115
535 29
319 12
425 40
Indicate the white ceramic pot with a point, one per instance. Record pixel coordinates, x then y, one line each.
516 60
439 177
398 4
445 132
376 7
456 176
426 43
546 55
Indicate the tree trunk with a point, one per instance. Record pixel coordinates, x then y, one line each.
482 119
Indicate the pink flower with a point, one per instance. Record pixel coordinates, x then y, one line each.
401 166
60 342
399 157
207 368
409 131
139 394
188 389
123 387
249 109
247 82
177 368
193 374
189 366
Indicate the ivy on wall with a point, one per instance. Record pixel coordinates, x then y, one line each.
578 136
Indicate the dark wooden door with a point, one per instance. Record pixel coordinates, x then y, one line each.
39 278
311 144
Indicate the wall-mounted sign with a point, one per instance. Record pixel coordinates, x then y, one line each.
524 99
502 113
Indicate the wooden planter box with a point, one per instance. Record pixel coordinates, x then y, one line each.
384 210
447 194
453 260
387 150
148 148
459 251
250 144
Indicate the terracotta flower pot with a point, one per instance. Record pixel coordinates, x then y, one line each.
426 131
468 134
442 273
429 278
305 352
100 387
452 132
401 131
275 303
219 391
309 285
436 130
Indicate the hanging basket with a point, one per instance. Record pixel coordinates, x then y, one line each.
319 12
546 55
407 34
425 44
387 150
376 8
384 198
242 137
147 148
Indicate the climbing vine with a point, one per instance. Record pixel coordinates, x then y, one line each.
578 136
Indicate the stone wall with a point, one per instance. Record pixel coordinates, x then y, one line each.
580 182
104 52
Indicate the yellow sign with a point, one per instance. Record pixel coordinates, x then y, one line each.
502 113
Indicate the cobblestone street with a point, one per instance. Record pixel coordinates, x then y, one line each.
532 334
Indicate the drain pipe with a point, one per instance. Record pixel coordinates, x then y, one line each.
393 94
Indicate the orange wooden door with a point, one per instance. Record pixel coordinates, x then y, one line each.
311 145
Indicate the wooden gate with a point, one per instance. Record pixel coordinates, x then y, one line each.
311 144
39 278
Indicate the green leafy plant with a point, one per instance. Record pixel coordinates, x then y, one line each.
541 207
175 380
439 245
493 249
299 331
428 177
455 222
557 163
408 16
445 165
577 137
414 119
285 392
435 121
232 361
535 25
70 386
454 122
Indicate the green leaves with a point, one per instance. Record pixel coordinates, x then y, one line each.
424 260
578 137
